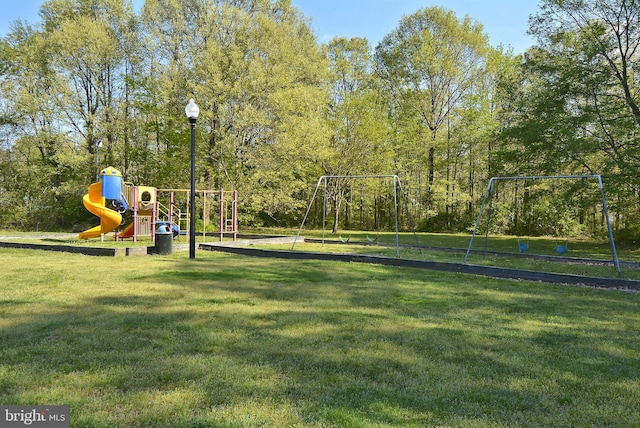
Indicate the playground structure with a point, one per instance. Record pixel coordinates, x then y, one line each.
397 187
108 187
561 248
147 211
227 218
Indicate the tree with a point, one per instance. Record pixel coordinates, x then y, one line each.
429 63
39 160
357 118
609 31
168 33
471 140
579 112
88 42
255 69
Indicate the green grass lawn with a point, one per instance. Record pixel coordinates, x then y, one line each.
232 341
502 251
587 248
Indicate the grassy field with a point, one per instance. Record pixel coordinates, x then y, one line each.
495 243
230 341
502 251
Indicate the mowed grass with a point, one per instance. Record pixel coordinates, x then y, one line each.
544 245
502 251
230 341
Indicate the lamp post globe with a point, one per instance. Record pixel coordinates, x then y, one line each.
192 111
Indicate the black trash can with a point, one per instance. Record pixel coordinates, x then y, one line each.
164 240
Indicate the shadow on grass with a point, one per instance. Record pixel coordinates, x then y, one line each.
328 344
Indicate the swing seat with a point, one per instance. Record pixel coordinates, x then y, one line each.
372 241
562 248
523 246
342 241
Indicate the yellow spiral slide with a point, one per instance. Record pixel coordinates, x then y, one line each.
95 204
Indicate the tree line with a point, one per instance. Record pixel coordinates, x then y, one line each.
95 83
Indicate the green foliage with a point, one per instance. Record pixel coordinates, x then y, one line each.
629 236
432 66
446 222
95 84
577 107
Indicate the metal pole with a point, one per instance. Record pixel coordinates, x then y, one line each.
304 219
324 208
395 209
222 215
406 205
484 200
235 215
97 164
136 207
606 215
98 146
486 236
154 215
171 209
192 195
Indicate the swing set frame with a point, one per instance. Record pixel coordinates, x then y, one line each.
491 190
397 186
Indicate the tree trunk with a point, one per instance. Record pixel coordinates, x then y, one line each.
336 218
432 154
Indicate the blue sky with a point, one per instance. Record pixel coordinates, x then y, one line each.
505 21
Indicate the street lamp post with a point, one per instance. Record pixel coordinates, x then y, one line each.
192 112
98 146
